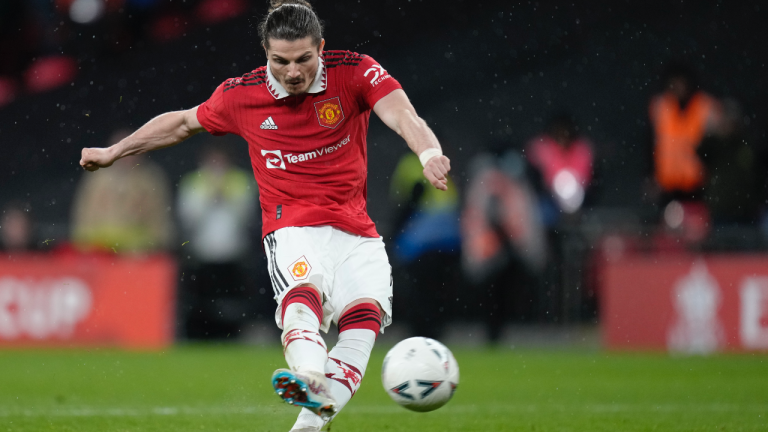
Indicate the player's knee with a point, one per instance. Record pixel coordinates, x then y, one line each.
363 314
301 322
309 285
307 294
358 302
302 308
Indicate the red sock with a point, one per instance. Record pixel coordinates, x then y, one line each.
302 317
307 296
363 316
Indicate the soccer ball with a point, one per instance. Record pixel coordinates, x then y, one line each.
420 374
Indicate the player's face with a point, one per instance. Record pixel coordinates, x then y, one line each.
294 63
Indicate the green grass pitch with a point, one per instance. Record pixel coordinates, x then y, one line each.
226 388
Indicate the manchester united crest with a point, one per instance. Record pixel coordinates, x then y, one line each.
329 112
299 269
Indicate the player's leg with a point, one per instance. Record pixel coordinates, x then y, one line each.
304 383
358 327
300 315
361 300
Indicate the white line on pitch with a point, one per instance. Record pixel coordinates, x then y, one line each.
593 408
131 412
385 409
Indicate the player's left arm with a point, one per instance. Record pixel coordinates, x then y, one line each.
396 111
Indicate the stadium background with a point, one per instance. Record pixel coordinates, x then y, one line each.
483 75
478 72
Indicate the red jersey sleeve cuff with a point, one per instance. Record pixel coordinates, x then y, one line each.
384 88
203 116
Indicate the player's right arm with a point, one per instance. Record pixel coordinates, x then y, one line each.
162 131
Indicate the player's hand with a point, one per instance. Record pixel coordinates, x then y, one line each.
94 158
436 171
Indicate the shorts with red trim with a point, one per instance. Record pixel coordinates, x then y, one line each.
345 267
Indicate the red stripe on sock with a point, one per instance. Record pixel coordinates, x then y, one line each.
363 316
306 296
344 377
301 335
346 365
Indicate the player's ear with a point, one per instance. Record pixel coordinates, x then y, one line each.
266 51
320 47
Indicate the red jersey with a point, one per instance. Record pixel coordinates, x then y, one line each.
308 152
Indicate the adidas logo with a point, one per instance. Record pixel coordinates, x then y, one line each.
269 124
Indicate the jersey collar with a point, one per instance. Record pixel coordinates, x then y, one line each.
279 92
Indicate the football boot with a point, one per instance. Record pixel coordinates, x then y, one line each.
305 389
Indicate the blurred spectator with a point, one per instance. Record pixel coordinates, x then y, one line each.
562 172
16 231
217 207
125 209
733 189
563 160
503 241
427 241
681 116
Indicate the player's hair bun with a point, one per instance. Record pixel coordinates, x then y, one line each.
290 20
274 4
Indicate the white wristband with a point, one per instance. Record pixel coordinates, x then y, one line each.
428 154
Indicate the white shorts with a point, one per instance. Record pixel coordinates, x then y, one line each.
345 267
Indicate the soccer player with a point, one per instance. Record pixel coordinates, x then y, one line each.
305 117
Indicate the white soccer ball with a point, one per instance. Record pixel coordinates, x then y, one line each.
420 374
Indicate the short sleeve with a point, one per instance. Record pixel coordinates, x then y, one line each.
371 82
214 114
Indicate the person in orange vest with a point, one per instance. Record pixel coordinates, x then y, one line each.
681 116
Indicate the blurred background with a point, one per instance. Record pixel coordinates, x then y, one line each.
609 178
